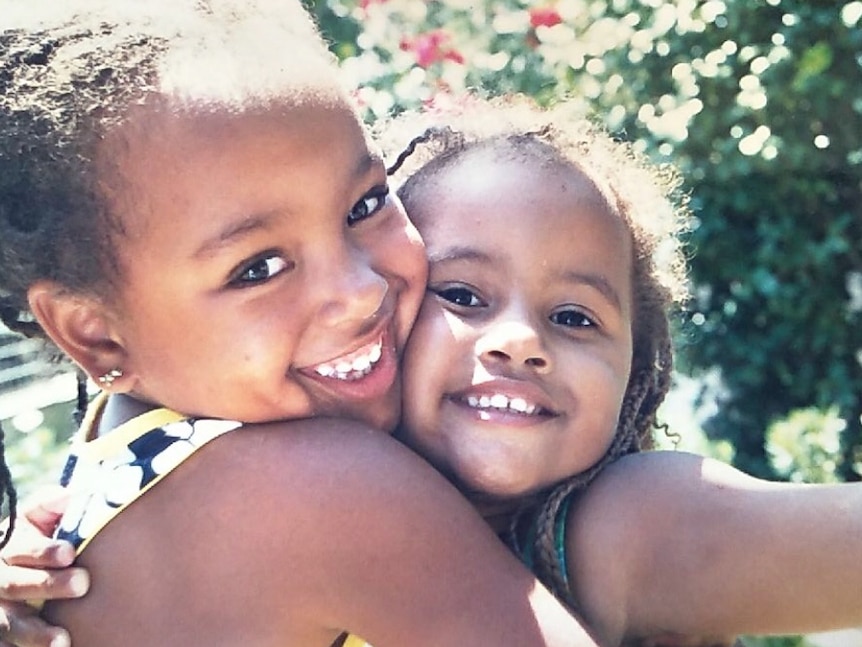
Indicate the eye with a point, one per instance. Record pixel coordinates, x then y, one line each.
459 295
572 318
371 203
259 270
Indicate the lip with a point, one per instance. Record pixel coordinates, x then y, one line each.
374 383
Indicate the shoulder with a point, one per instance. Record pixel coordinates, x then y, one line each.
304 480
255 517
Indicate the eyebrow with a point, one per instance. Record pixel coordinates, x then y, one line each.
459 253
595 281
246 225
234 232
598 283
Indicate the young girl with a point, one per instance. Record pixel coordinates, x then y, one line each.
540 355
190 210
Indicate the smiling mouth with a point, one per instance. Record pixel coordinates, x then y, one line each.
503 403
354 366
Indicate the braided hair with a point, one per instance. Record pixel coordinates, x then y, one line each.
646 198
70 72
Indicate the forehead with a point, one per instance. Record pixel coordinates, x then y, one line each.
166 158
525 187
524 215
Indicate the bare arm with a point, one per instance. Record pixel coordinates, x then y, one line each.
273 538
696 547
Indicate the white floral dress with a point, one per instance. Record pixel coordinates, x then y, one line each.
108 473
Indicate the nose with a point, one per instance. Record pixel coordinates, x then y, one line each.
514 342
352 291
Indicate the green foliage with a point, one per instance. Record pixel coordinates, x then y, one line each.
37 443
758 101
803 447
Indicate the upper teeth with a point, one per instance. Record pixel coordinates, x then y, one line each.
499 401
354 367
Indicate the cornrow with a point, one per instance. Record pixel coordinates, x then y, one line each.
644 197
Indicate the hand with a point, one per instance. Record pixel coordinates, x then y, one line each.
35 567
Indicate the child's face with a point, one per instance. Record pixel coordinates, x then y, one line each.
519 359
266 273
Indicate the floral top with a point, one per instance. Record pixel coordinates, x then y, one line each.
108 473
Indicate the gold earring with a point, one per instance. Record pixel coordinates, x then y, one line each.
108 378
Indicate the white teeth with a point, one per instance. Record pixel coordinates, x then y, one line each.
354 368
502 402
361 364
499 401
376 352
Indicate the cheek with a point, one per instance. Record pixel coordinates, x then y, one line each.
421 338
407 246
428 358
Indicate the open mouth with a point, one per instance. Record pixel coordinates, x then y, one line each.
354 366
504 403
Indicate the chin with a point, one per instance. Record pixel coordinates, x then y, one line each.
383 417
494 488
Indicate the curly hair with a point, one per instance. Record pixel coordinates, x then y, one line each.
71 71
644 196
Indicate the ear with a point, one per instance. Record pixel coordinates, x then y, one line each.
81 325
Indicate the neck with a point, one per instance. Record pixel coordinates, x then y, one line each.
120 408
499 512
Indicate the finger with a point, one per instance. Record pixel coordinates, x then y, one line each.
23 628
45 507
24 584
28 547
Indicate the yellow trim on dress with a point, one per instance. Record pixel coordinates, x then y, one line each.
88 474
95 448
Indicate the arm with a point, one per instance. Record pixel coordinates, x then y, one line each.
702 549
273 538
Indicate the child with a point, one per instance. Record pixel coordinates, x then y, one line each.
190 210
540 355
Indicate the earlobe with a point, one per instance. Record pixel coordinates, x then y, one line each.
80 326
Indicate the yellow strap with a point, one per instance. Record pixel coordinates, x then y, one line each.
120 437
355 641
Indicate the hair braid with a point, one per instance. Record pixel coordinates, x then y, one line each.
81 400
7 491
432 133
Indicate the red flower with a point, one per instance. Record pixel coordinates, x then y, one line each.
429 48
544 17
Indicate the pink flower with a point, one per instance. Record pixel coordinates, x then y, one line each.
364 4
429 48
545 16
